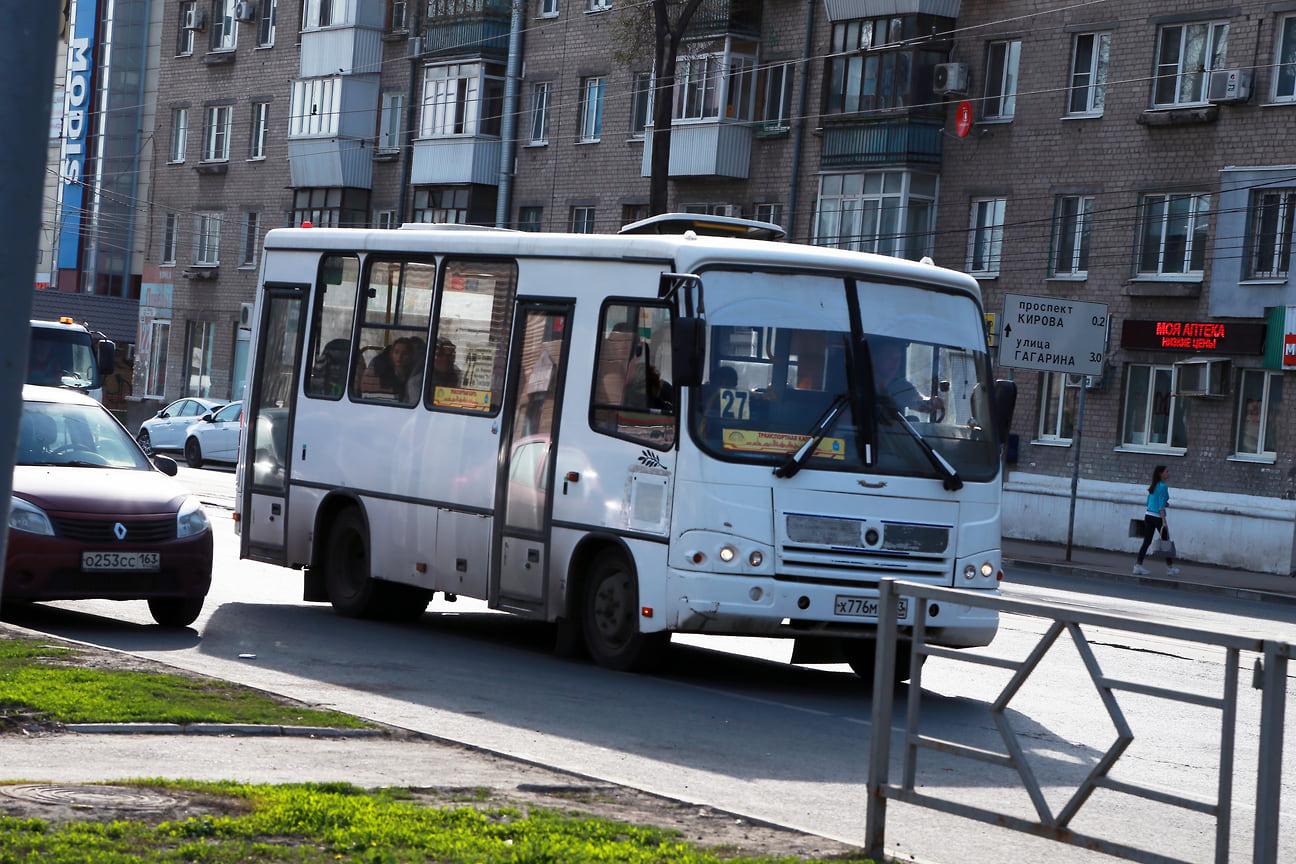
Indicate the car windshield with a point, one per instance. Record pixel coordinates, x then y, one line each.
55 433
781 378
62 358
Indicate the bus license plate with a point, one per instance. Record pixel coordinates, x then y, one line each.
865 607
121 561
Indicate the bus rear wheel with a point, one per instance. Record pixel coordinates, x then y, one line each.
611 619
351 589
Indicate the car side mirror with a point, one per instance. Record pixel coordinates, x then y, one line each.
208 417
166 465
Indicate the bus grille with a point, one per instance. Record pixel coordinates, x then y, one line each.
839 551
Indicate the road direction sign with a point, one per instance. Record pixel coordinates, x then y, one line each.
1053 334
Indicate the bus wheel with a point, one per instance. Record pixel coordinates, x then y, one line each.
611 619
861 655
346 566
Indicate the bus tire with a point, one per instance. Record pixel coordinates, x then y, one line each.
861 655
346 566
610 619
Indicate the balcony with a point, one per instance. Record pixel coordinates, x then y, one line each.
456 160
466 28
896 142
340 51
721 17
705 150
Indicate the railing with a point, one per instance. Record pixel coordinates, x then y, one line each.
1270 678
882 142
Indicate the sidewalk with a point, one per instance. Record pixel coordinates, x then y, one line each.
1108 566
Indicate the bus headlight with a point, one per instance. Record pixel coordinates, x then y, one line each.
727 554
756 558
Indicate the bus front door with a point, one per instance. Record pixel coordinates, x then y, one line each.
520 575
268 417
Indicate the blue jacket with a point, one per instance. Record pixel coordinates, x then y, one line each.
1157 499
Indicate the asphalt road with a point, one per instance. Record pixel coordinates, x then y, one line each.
736 728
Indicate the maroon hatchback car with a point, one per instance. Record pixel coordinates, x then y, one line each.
93 517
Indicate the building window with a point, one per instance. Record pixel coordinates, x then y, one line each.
1057 408
529 218
170 229
1259 407
1269 238
155 379
320 13
179 133
540 97
697 87
216 133
185 28
260 123
331 207
887 212
1001 80
547 9
591 115
1089 73
397 16
224 27
391 122
384 219
641 100
1185 53
1172 234
269 11
198 351
316 107
251 237
1285 73
598 5
582 220
462 99
771 213
633 213
207 239
880 63
985 236
1072 223
445 205
774 96
1154 417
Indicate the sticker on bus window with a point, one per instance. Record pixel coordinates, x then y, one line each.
749 441
461 398
734 404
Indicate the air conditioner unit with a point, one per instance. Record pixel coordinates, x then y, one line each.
246 311
950 79
244 10
1229 85
1089 382
1207 378
415 46
197 20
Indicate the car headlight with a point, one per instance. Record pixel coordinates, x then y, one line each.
192 519
25 516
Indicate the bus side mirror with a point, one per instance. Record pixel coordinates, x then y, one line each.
688 351
1005 401
107 356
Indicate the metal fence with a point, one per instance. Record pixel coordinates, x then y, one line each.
1270 678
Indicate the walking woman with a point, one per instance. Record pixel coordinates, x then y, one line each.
1154 521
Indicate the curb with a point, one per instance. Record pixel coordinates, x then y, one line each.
1072 571
230 729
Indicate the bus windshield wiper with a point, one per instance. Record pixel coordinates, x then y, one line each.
947 471
797 459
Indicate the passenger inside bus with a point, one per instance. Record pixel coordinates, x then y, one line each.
444 371
390 373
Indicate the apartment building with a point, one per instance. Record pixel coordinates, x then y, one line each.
1112 153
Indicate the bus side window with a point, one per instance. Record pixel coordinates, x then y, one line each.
632 394
330 337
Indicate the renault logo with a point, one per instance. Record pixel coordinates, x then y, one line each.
119 531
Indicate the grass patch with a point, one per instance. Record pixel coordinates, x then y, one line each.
39 678
316 823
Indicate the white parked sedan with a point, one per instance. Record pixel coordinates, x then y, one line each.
215 437
166 429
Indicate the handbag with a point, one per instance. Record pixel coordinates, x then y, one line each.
1163 545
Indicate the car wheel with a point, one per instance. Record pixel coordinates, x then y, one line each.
175 611
611 619
145 442
193 453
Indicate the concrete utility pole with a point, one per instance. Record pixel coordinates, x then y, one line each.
27 53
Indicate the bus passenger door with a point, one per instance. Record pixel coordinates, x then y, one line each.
520 572
268 417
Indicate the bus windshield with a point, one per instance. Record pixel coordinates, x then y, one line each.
778 376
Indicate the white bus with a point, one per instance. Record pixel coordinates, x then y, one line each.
661 431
